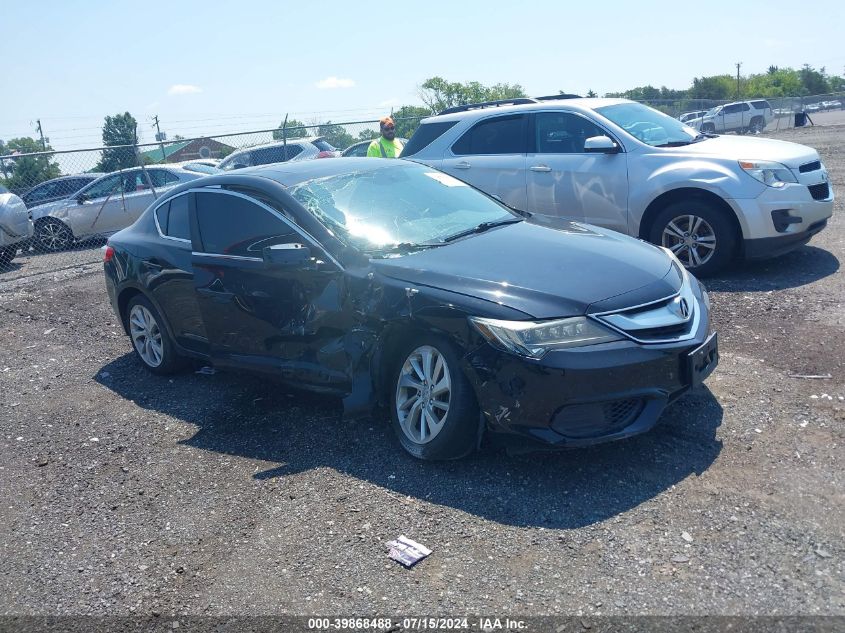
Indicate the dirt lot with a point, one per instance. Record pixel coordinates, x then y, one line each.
221 494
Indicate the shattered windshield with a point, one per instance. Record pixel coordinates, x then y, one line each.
396 204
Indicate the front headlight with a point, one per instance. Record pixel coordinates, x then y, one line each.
768 172
535 338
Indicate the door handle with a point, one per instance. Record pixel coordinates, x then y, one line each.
542 168
218 296
462 165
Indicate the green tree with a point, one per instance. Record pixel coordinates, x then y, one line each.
118 130
294 129
715 87
439 94
813 81
591 94
407 119
367 135
28 171
335 135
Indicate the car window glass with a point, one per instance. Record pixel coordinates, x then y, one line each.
40 193
236 161
745 107
104 187
231 225
160 178
500 135
178 225
162 216
563 132
425 135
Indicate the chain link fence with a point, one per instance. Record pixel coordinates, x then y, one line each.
58 207
69 201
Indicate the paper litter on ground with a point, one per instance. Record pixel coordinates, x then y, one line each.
406 551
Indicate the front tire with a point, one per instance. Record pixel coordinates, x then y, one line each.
699 233
757 125
52 235
708 128
150 339
433 407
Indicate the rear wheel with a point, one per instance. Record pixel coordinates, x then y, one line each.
150 339
757 125
708 128
52 235
434 412
699 234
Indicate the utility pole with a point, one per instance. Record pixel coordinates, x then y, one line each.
159 137
738 64
41 132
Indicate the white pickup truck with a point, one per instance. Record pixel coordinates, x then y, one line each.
741 117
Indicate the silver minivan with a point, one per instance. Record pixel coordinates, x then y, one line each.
622 165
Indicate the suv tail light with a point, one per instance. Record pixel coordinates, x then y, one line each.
108 253
326 154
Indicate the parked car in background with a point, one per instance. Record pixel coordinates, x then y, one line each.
279 152
624 166
110 203
688 116
741 117
205 166
360 149
15 226
57 189
388 282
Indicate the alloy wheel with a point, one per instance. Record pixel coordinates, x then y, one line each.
423 394
146 336
53 236
691 239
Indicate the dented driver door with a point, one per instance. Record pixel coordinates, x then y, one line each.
283 318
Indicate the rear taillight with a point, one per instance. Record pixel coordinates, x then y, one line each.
108 253
325 154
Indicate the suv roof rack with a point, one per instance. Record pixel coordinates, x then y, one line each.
488 104
506 102
562 95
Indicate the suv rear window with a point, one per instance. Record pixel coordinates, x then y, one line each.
761 105
499 135
425 135
323 146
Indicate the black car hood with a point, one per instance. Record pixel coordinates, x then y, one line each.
556 270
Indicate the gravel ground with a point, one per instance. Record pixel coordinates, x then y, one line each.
222 494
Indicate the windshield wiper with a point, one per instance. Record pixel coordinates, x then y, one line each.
403 247
697 139
480 228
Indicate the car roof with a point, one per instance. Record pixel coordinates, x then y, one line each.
291 141
583 103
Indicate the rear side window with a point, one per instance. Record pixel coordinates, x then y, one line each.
323 146
424 136
173 218
231 225
761 105
500 135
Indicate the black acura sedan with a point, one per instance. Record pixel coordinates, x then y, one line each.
389 283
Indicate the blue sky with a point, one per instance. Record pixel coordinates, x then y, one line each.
207 67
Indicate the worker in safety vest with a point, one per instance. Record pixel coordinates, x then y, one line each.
386 145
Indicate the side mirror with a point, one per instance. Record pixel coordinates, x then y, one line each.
600 145
81 198
287 256
238 166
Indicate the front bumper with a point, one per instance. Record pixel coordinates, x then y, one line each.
588 395
779 220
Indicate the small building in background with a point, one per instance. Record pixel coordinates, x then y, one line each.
187 150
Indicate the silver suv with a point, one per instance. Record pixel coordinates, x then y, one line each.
740 117
624 166
279 152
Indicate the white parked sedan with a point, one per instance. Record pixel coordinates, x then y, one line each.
105 206
15 226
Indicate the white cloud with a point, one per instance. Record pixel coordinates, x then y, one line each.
330 83
183 89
